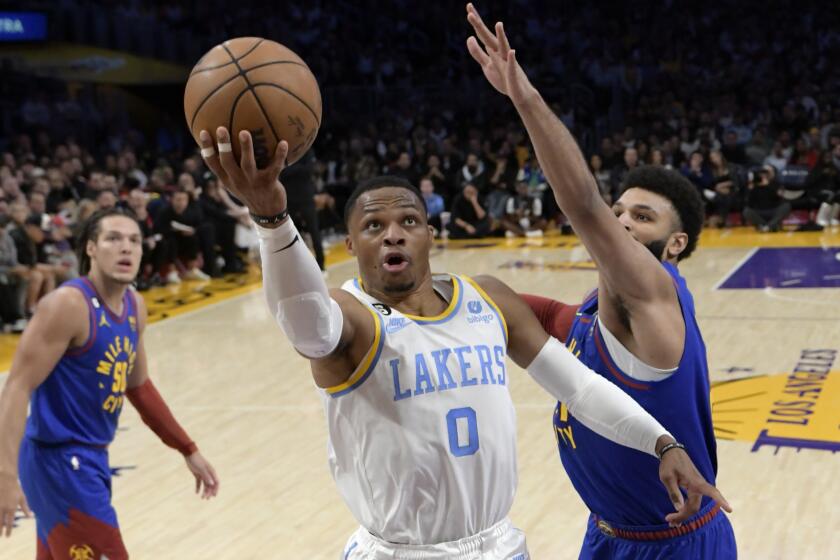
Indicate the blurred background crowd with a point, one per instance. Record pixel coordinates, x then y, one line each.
741 99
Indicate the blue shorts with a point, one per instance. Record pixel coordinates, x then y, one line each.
713 541
68 488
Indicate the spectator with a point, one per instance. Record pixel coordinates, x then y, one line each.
631 161
698 173
724 189
300 192
106 198
12 277
523 215
402 167
178 224
602 177
434 202
40 277
777 158
473 172
732 151
765 208
153 257
469 219
442 181
824 183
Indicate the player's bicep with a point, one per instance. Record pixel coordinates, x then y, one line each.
61 319
526 336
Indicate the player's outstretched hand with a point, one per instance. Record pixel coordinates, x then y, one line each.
677 471
205 475
497 59
11 497
259 189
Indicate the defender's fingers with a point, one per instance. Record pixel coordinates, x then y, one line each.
693 502
512 76
25 507
711 491
477 52
674 492
501 37
481 29
7 522
246 146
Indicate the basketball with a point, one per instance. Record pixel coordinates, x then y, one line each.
254 84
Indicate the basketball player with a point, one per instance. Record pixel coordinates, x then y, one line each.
637 329
80 356
412 370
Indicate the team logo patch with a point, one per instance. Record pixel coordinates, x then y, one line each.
81 552
132 322
103 321
382 308
396 324
474 307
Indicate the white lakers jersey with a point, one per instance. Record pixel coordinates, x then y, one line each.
422 436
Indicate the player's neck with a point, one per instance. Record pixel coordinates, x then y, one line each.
422 301
111 292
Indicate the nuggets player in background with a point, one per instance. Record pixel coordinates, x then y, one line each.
411 369
80 357
637 329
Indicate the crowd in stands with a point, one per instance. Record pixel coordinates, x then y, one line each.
745 102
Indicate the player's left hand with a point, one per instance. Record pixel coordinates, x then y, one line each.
677 471
205 475
497 59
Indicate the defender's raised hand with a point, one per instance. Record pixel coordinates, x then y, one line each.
497 59
259 189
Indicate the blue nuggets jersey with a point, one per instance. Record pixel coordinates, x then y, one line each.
81 400
620 484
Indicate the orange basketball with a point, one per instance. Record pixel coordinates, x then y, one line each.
257 85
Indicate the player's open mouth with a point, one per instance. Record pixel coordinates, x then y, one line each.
124 263
395 262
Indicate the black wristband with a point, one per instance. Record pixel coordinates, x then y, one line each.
668 447
270 220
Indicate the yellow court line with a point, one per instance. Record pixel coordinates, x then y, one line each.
732 238
171 301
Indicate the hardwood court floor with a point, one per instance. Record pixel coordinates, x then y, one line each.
248 400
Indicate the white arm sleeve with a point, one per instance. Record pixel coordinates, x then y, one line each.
598 404
296 293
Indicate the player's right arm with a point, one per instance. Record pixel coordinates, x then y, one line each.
60 322
626 266
332 329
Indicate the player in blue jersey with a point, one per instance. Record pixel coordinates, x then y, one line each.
80 357
638 330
